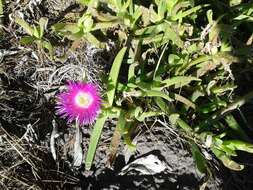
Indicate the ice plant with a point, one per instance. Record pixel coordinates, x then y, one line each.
81 102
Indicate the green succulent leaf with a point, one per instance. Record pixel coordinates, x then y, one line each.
226 160
95 136
179 81
29 30
199 158
114 73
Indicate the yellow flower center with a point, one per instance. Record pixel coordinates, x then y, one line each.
83 100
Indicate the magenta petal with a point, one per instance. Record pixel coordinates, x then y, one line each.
81 101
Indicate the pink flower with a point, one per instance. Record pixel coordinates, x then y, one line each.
81 101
